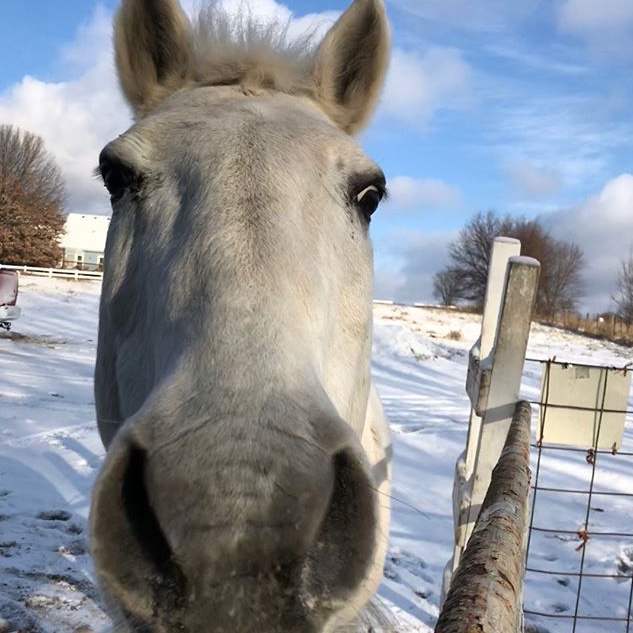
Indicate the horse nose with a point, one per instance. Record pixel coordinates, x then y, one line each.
177 520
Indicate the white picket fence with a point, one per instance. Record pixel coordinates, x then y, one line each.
64 273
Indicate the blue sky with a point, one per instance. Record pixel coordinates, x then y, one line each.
519 107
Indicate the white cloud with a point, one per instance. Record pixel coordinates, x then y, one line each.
91 42
387 279
603 227
417 85
589 16
470 15
543 60
75 117
607 25
406 262
319 23
569 132
533 182
421 194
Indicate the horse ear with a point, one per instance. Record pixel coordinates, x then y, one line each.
152 51
351 64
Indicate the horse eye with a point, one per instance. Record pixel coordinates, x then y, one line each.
116 178
368 200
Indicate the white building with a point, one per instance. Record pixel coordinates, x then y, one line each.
84 240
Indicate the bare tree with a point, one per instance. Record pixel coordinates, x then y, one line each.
447 286
32 195
561 262
560 284
623 295
470 255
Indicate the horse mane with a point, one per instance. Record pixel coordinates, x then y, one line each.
245 50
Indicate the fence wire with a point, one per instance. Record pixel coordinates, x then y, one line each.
579 573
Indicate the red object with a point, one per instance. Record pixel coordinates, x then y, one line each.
8 288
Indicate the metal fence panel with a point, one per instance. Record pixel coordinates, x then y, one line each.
580 544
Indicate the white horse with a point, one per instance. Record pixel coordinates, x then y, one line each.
246 483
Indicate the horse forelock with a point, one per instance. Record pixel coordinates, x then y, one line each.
242 49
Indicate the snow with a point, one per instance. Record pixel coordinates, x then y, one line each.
50 453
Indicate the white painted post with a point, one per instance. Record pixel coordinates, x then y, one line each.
503 248
505 378
494 378
481 360
479 369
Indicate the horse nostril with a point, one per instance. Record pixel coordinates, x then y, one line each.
133 557
346 541
169 579
140 514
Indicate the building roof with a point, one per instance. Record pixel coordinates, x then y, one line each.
85 232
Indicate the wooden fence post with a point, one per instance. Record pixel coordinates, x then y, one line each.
486 593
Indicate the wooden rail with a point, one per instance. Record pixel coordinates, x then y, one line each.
64 273
486 592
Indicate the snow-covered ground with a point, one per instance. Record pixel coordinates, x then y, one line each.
50 453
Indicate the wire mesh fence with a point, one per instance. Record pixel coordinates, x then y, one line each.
579 574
